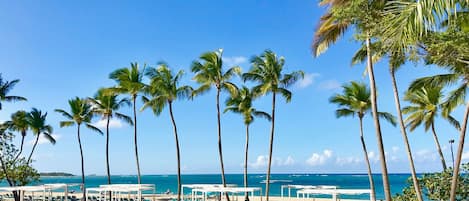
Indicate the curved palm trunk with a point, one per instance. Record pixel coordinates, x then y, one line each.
220 153
374 109
246 197
135 139
23 135
82 163
272 128
438 147
454 181
107 155
370 175
177 149
418 192
34 147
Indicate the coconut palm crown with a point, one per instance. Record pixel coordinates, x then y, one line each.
5 88
37 124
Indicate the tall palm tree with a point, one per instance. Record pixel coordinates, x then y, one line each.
397 57
458 75
129 81
267 71
80 113
425 105
20 124
5 88
106 104
164 90
361 15
209 72
355 100
37 123
242 104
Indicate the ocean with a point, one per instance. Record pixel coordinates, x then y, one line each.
169 182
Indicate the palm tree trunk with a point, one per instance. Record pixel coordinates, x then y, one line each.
246 197
177 149
220 153
135 138
418 192
272 128
374 109
107 155
438 147
367 160
34 147
454 181
23 135
82 163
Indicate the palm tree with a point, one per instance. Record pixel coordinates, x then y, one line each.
5 88
20 124
361 15
80 113
267 70
425 105
129 81
210 72
164 90
242 104
106 105
458 75
355 100
397 57
37 123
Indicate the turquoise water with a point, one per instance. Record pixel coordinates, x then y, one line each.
164 182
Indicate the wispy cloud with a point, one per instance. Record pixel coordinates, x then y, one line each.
329 85
114 123
308 80
262 160
43 140
234 61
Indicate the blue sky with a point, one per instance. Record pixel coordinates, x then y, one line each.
60 50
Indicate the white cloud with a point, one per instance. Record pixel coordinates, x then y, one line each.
308 80
319 159
329 85
43 140
262 161
114 123
234 61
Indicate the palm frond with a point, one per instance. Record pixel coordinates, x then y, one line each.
124 117
388 117
93 128
49 138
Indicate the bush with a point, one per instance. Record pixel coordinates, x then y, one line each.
437 186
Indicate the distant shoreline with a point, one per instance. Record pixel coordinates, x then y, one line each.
55 174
